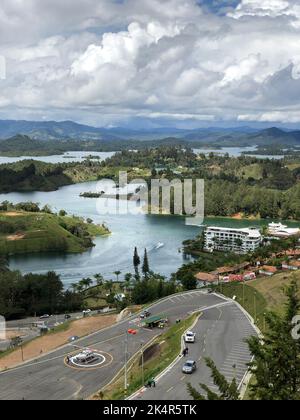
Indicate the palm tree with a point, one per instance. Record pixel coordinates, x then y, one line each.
86 283
127 281
117 273
109 285
99 279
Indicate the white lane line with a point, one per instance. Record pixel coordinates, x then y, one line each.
233 359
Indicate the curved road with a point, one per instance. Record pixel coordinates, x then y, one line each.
220 335
49 378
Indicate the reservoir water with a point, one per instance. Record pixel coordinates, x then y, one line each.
162 236
113 252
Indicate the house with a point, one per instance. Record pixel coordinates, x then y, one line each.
207 278
268 270
293 253
249 276
239 241
293 265
231 270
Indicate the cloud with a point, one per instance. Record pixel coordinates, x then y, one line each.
107 61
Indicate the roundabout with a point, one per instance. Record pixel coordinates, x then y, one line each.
87 359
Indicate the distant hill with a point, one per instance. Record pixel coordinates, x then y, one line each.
25 145
63 134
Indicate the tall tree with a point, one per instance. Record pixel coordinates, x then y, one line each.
146 268
117 273
136 262
276 364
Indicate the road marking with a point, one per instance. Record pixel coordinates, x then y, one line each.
182 378
170 389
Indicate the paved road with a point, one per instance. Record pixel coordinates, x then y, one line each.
49 378
221 334
49 322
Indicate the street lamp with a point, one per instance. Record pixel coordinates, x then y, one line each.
128 332
142 355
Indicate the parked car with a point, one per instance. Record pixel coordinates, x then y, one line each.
74 338
46 316
189 367
145 314
86 312
190 337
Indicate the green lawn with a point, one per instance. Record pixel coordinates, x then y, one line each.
42 232
251 299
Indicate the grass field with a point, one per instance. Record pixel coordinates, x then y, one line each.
251 299
272 288
23 233
261 295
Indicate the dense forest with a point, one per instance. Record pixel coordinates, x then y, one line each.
263 188
35 294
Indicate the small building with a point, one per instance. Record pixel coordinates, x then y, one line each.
222 271
295 253
293 265
207 278
249 276
268 270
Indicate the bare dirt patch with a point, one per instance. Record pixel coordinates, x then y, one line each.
49 342
12 214
16 237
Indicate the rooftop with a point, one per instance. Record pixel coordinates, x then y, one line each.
206 277
254 232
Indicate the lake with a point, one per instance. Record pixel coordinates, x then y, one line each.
65 158
80 156
114 252
237 152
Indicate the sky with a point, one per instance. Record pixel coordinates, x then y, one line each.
183 63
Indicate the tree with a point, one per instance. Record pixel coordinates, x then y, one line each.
189 281
136 262
276 364
99 279
86 283
109 286
146 268
62 213
117 273
227 391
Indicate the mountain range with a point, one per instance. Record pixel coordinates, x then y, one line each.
57 132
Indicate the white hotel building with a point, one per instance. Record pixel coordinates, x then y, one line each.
239 241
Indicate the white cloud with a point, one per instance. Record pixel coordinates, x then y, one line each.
109 60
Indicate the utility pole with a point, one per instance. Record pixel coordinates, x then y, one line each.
255 309
143 374
126 357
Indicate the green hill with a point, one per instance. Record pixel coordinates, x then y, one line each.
23 232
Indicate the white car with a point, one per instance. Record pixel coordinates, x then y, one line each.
190 337
87 312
